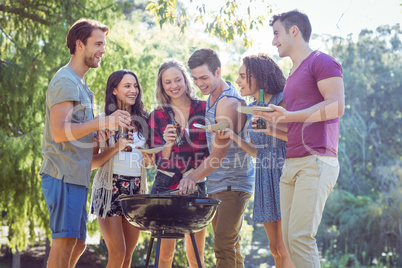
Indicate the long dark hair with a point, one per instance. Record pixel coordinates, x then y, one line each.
138 112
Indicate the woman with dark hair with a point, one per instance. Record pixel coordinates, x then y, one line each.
175 96
121 167
257 72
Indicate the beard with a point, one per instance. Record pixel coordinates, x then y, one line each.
91 62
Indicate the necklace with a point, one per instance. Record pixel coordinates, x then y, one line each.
182 113
182 118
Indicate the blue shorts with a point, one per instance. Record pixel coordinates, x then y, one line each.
66 204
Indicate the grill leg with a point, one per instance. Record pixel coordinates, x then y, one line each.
196 250
151 243
158 248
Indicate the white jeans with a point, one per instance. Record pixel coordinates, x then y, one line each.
304 187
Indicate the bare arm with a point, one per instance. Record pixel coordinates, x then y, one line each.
100 158
331 107
248 147
225 111
274 132
213 161
64 130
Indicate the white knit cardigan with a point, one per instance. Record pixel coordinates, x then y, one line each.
102 186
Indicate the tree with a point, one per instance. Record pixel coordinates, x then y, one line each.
226 23
32 49
32 35
365 208
362 215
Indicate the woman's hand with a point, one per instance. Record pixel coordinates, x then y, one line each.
264 130
169 135
101 136
149 159
226 133
122 144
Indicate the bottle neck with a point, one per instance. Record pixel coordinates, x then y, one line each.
173 121
123 105
261 98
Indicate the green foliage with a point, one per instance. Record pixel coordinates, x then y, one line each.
31 37
30 53
228 22
167 12
362 215
143 49
362 219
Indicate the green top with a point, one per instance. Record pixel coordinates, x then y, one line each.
70 160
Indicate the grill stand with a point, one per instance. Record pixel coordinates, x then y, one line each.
159 235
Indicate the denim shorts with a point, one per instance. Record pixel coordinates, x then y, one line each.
162 183
66 204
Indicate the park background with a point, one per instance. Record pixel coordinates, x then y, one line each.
362 222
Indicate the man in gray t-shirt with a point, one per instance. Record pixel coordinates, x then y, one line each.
75 156
68 142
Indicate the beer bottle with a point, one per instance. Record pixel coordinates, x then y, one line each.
179 139
261 122
123 132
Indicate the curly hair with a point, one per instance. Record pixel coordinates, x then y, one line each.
162 99
267 74
138 111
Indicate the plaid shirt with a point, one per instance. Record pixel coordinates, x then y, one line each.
192 152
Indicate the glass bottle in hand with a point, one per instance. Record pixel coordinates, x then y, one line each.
261 122
123 132
179 137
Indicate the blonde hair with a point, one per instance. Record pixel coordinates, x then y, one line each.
162 99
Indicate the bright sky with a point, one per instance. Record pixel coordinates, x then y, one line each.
334 17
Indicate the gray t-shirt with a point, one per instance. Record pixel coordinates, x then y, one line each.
71 160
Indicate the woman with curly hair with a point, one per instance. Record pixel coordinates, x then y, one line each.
260 72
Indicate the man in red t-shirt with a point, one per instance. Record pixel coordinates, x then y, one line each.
314 98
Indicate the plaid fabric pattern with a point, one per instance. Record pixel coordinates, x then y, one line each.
193 151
